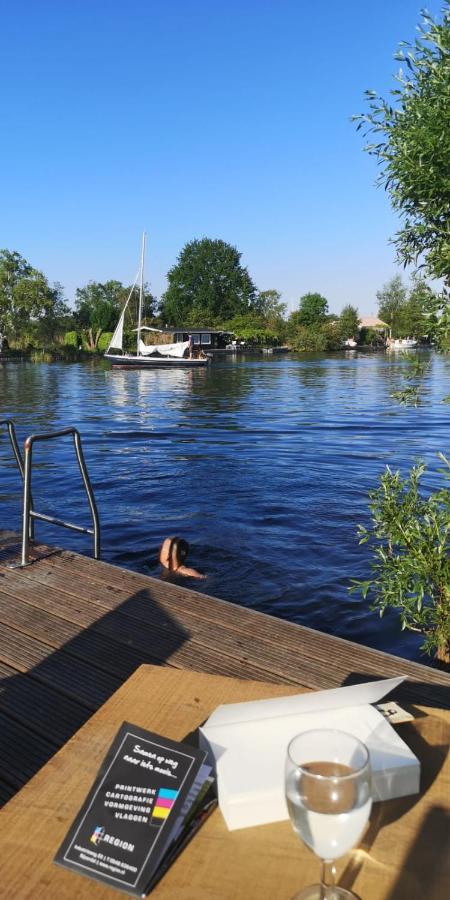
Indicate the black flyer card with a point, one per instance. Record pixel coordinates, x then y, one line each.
147 793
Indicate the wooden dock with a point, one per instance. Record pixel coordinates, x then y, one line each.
73 629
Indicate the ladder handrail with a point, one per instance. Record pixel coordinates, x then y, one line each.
14 443
29 513
18 456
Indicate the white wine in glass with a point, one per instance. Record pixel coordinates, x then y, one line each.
329 798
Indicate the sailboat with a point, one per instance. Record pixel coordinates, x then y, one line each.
401 344
149 356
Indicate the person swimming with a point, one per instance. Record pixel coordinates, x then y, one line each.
172 555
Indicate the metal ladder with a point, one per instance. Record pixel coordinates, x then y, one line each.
25 468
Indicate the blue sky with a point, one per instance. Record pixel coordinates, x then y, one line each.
199 118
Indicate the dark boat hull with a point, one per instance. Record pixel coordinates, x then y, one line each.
154 362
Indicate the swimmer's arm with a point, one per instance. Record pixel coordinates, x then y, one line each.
190 573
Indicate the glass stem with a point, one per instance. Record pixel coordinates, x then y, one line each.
327 879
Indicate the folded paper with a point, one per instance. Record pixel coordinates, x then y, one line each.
247 742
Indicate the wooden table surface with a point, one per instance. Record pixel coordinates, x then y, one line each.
403 856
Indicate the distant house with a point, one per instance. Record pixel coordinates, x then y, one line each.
372 322
206 338
202 338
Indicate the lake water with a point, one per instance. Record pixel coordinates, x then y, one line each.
263 464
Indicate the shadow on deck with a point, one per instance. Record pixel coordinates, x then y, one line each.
72 630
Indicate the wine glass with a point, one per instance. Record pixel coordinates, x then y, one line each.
328 793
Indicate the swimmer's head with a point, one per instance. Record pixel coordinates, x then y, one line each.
173 553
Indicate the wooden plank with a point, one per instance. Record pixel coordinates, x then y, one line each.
19 650
87 645
144 621
6 672
202 605
321 659
114 646
262 640
115 638
6 792
73 677
40 708
22 754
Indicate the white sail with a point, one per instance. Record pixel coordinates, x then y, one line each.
117 338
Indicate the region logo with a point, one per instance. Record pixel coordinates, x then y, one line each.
97 835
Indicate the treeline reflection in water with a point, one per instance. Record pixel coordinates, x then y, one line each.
263 464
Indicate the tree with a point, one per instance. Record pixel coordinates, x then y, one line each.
311 328
98 307
56 318
414 317
438 321
263 323
312 311
268 304
207 285
407 313
349 322
391 300
26 298
319 339
251 327
413 146
410 542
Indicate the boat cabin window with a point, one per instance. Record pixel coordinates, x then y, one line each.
206 338
195 338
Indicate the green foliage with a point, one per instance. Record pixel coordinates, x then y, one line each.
98 307
349 322
370 337
70 353
30 309
318 339
312 312
38 356
72 339
207 285
104 340
413 146
268 304
391 298
414 370
307 340
264 324
408 312
414 319
408 396
249 327
311 328
410 542
438 320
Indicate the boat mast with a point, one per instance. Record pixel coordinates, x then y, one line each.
141 292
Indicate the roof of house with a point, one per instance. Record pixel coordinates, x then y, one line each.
185 330
193 330
372 322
